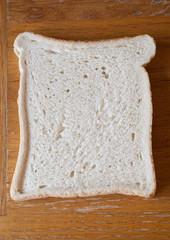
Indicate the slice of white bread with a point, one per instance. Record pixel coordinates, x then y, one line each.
85 115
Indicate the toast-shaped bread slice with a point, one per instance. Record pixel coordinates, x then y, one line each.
85 115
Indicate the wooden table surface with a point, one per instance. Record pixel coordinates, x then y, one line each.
100 217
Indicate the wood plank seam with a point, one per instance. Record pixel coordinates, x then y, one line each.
3 106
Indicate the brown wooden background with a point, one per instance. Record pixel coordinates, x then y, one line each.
101 217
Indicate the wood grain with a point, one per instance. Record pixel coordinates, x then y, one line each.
100 217
3 102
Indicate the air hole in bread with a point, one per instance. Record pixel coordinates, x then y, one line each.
137 184
32 76
140 155
103 72
93 167
33 41
133 136
139 100
102 105
49 150
96 57
85 165
138 53
32 167
85 76
50 51
56 80
44 112
121 46
62 72
96 68
42 186
131 163
110 166
72 174
86 61
51 82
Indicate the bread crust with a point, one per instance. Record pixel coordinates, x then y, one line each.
16 186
